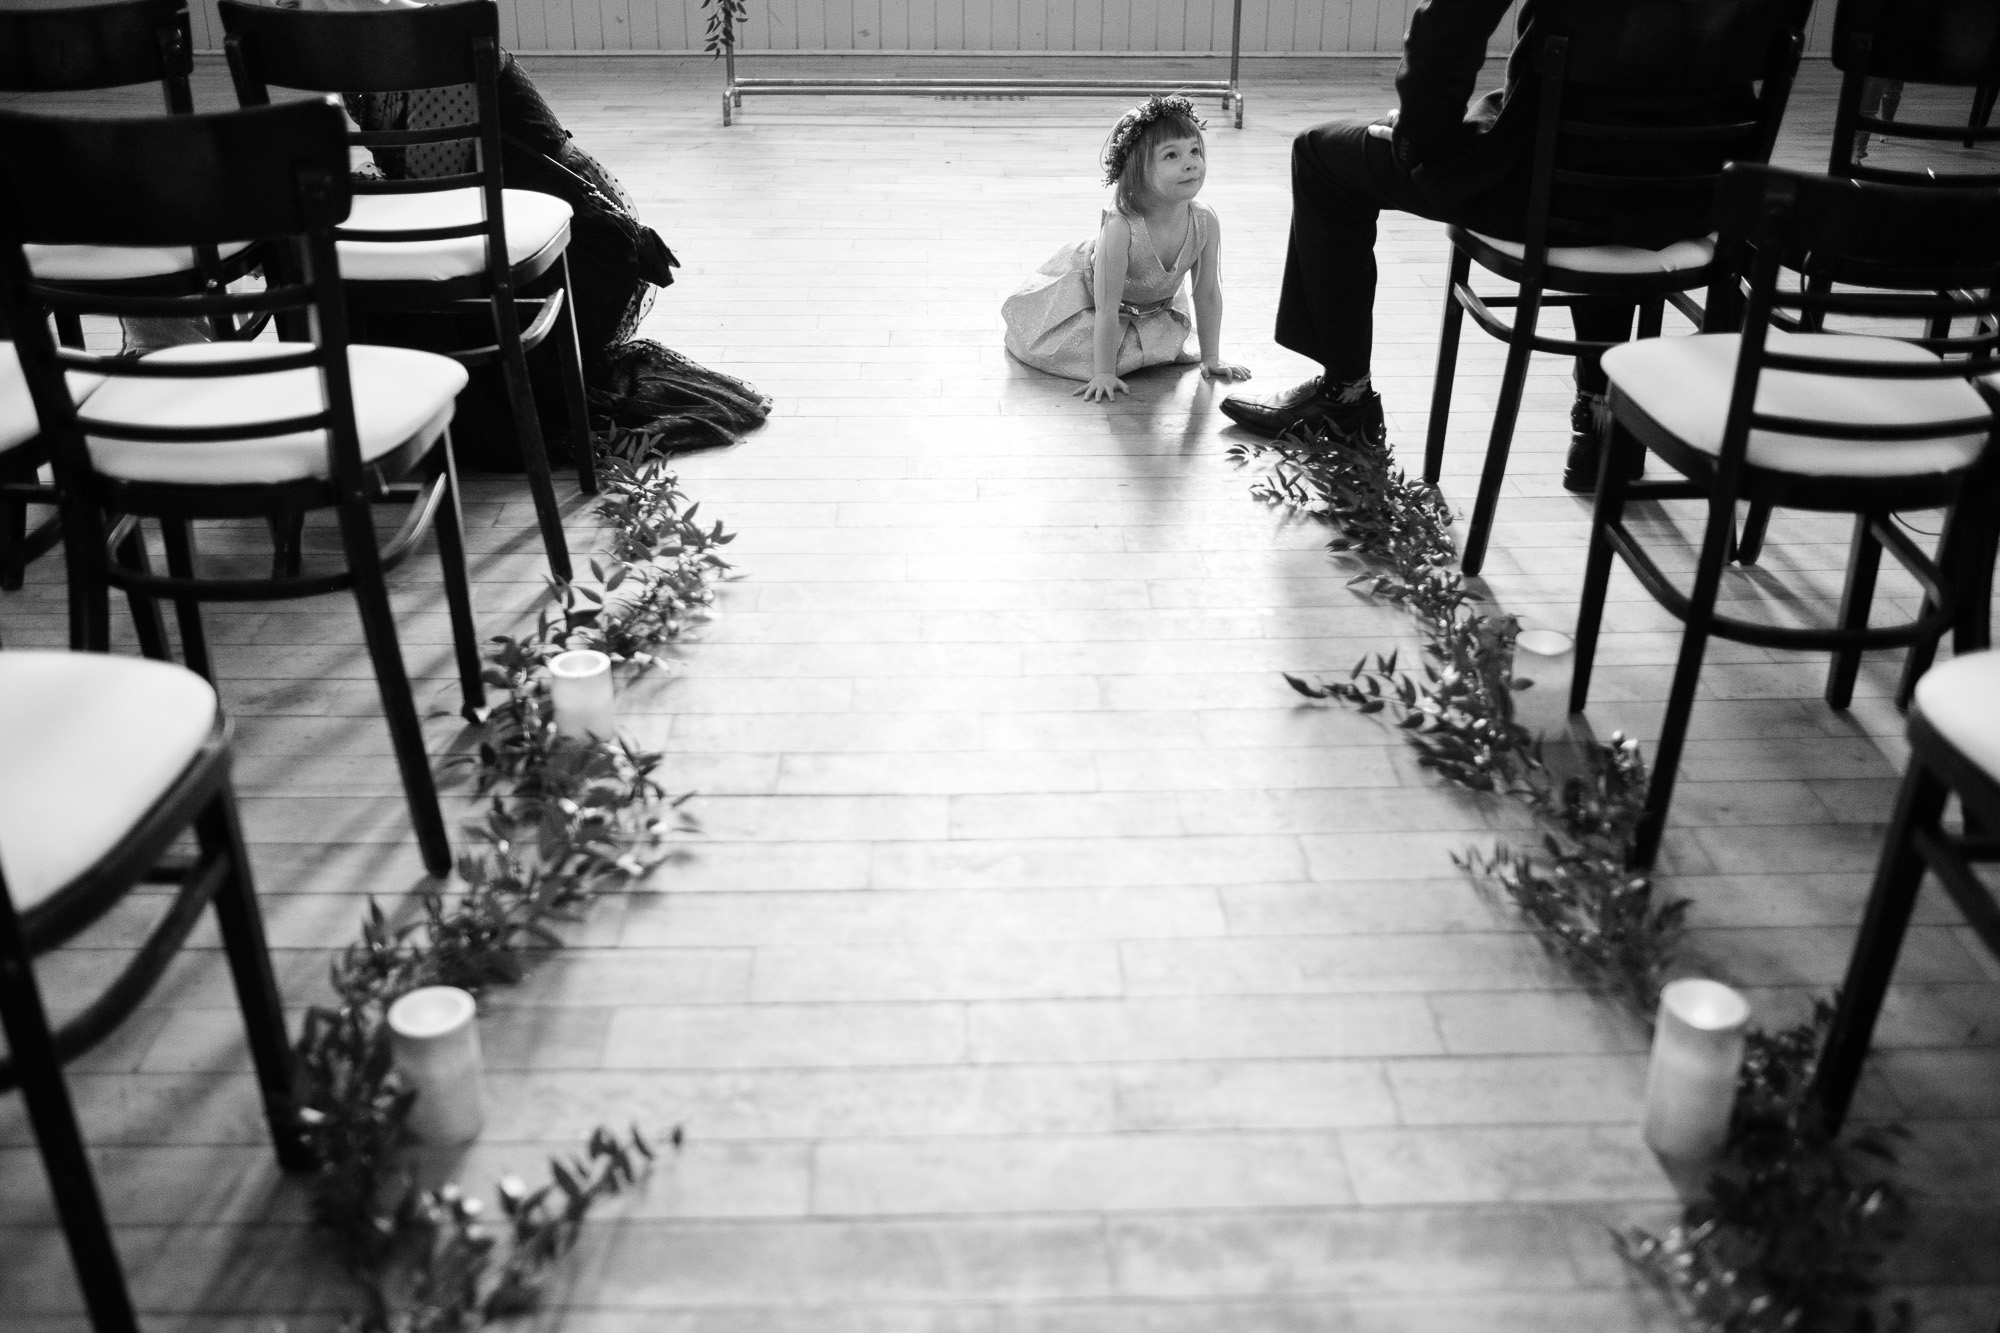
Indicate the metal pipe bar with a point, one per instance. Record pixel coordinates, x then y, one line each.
891 84
943 90
1229 90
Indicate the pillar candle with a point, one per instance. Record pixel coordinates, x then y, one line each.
580 688
1691 1082
436 1045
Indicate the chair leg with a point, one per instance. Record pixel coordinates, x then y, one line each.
1983 98
528 430
179 536
13 545
1513 383
288 532
1916 662
1965 557
221 836
1687 676
569 350
1974 628
89 594
79 1207
1864 558
1614 480
1447 364
69 330
1750 544
1818 284
1652 316
458 595
147 622
1899 873
406 731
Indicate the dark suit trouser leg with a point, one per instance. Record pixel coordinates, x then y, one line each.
1601 319
1342 179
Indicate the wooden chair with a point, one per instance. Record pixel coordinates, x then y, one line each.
24 451
49 49
108 762
1951 43
1825 421
234 430
446 242
22 455
1954 730
1665 45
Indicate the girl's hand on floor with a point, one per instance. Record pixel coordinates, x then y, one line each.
1224 370
1101 389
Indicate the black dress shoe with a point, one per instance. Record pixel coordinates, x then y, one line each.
1307 405
1589 419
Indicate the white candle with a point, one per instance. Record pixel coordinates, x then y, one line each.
1691 1083
436 1044
580 688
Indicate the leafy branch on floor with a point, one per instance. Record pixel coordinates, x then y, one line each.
465 1270
566 821
1796 1224
1457 710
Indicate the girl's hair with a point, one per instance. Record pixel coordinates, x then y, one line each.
1128 151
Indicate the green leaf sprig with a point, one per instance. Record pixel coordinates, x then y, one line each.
565 821
1796 1224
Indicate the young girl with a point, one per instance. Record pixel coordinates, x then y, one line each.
1107 307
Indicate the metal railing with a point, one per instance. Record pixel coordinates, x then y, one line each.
1228 89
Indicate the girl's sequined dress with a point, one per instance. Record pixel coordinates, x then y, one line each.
1051 320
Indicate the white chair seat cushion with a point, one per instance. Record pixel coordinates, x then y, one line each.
1961 699
534 222
92 743
112 263
1609 259
399 394
1684 384
18 421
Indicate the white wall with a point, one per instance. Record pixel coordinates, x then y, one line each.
951 26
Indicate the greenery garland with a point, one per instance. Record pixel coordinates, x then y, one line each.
1796 1223
566 821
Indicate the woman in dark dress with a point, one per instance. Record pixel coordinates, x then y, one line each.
653 399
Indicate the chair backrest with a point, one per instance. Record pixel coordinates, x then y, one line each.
1669 45
1772 220
1953 43
74 45
387 51
1694 61
272 174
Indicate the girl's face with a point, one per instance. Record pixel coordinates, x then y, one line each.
1179 166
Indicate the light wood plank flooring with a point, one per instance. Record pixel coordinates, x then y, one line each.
1044 966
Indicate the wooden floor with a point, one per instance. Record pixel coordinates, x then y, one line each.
1044 967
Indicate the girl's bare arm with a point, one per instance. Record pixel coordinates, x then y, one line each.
1114 244
1207 278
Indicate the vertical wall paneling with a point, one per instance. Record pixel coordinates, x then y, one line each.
1117 25
591 24
645 26
1034 25
923 25
1280 21
896 24
1362 27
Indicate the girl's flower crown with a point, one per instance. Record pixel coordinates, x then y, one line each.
1133 123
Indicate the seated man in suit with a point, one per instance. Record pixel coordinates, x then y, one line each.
1434 158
